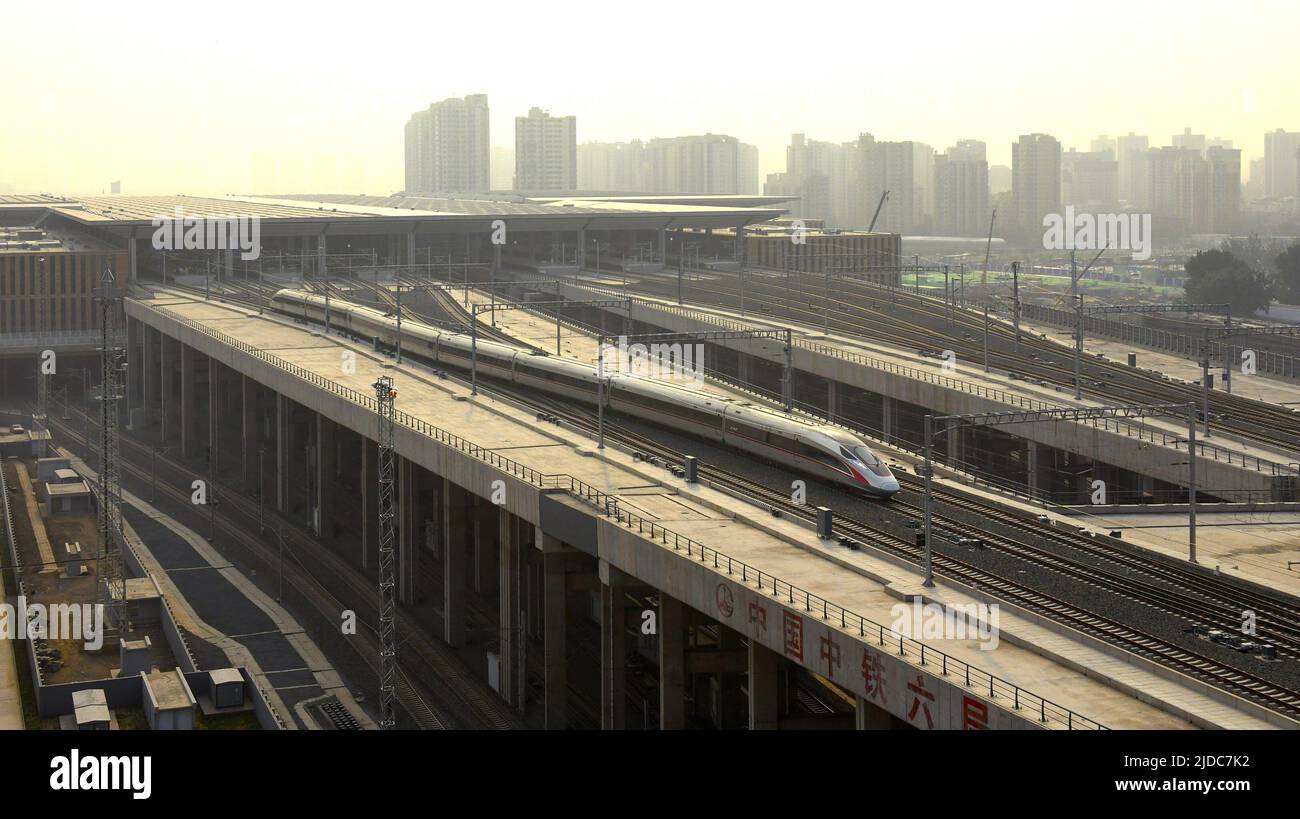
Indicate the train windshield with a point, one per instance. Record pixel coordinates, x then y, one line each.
870 459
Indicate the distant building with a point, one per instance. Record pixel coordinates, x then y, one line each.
1130 153
546 152
1036 181
447 147
612 166
747 183
961 176
1255 185
1090 179
1280 164
999 179
502 175
1195 192
1190 141
823 175
707 163
1104 145
115 187
905 170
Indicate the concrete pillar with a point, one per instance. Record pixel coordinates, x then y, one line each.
887 416
319 502
954 445
510 609
166 382
187 400
248 432
871 717
321 250
832 398
406 529
486 528
1031 468
764 704
555 617
369 501
663 245
582 248
672 663
132 259
213 421
281 450
132 368
149 376
455 525
742 368
613 650
410 248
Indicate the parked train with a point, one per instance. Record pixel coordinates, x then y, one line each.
820 450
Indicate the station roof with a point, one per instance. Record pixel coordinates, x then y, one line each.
334 214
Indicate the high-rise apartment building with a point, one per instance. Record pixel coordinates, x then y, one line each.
612 166
1090 179
961 176
823 175
1104 145
707 163
1131 154
546 152
1195 192
1190 141
893 167
502 176
1036 181
1280 164
447 147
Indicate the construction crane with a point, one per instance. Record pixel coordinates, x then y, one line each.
876 215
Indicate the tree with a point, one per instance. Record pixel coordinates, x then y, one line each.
1288 274
1256 251
1218 277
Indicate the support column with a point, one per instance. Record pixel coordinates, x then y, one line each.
871 717
167 383
554 627
187 400
1031 468
582 248
887 416
317 466
213 420
954 445
764 704
455 524
369 501
613 650
672 663
406 529
281 449
510 609
832 398
321 245
410 248
149 375
486 528
663 245
249 433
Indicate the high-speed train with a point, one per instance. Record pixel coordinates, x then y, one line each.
817 449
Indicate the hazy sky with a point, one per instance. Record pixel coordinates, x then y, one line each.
191 97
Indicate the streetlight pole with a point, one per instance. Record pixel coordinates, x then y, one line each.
929 499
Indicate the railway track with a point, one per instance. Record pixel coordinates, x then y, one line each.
847 311
458 701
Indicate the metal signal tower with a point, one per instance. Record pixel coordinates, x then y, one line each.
109 562
384 398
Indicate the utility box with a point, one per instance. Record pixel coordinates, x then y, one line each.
90 710
824 523
692 468
136 656
72 559
168 701
1132 359
227 687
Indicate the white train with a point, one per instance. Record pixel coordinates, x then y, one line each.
817 449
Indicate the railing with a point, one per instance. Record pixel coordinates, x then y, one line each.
1140 432
608 506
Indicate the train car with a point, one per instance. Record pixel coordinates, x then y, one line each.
821 450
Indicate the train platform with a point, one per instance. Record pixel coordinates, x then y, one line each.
1092 679
217 603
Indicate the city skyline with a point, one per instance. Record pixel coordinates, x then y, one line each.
210 128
